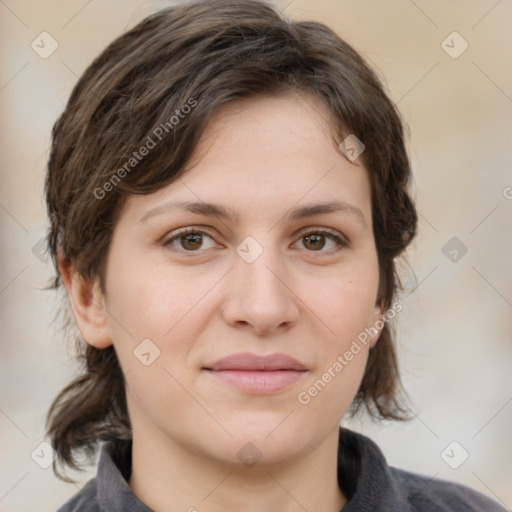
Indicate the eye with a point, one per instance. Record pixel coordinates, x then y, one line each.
192 240
315 240
188 239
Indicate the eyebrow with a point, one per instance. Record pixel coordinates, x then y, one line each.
226 213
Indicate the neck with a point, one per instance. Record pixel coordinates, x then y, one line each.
168 477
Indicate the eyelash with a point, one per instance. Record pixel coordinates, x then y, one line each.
339 240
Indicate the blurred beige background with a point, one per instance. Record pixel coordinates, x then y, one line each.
455 330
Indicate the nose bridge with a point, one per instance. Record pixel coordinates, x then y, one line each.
258 263
260 296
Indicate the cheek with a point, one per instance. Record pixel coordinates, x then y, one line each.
169 308
150 301
346 308
155 318
346 304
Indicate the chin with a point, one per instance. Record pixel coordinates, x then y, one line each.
268 427
263 444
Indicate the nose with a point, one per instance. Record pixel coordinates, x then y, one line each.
260 295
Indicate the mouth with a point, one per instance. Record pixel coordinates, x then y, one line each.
257 375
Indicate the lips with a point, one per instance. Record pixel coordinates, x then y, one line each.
257 375
248 362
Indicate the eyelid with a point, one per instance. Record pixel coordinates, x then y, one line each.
178 233
327 231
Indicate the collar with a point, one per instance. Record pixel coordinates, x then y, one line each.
363 475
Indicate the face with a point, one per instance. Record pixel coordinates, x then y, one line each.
279 289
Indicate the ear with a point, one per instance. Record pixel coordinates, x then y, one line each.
378 323
88 304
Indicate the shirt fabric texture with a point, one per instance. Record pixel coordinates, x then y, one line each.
363 474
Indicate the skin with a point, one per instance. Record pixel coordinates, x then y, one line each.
261 157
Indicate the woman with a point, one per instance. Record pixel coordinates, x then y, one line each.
228 194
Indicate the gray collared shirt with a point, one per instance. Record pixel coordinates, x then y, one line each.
363 475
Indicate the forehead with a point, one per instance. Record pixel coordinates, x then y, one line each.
267 127
264 154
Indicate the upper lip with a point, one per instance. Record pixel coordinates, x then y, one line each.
247 361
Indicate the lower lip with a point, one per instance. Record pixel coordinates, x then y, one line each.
258 382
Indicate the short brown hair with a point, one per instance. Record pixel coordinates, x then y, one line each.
213 53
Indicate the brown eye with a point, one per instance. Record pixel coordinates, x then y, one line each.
316 241
189 240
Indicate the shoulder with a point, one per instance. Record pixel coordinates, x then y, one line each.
435 495
84 500
370 482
